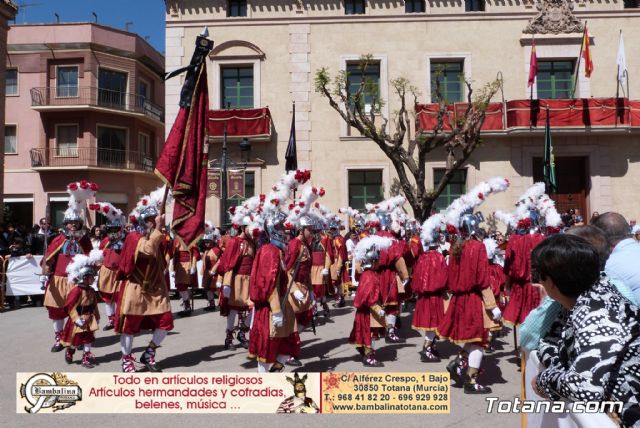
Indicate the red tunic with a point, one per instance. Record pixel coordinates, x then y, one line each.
497 279
268 284
82 302
517 265
463 321
235 263
322 257
342 256
367 297
429 282
294 249
59 254
388 281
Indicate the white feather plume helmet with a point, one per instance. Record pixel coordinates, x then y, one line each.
433 224
474 198
528 201
80 262
547 209
210 232
353 213
491 245
365 245
79 192
153 199
310 194
106 209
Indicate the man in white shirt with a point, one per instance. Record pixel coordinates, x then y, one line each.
625 250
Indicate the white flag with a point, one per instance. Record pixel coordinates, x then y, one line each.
622 62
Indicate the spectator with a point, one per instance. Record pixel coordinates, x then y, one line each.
577 217
591 352
96 237
11 233
36 239
594 216
625 250
17 249
635 230
4 245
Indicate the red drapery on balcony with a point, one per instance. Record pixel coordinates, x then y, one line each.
566 113
241 123
427 116
585 112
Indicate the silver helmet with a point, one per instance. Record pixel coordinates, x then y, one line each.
370 257
274 226
470 224
71 215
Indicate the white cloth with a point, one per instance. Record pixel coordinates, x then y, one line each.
559 420
126 343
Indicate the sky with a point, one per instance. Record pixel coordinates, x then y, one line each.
146 17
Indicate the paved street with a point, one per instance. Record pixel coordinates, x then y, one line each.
196 345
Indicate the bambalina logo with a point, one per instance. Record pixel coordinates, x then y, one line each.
54 391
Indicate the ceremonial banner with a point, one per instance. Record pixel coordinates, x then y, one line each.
182 165
235 184
214 183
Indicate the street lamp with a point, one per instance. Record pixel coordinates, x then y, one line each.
225 164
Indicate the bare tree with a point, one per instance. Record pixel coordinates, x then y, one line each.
362 111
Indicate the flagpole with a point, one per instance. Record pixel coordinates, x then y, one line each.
223 178
533 47
575 79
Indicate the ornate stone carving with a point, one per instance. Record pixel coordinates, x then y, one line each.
554 17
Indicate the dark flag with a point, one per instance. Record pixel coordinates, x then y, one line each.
182 165
549 167
291 155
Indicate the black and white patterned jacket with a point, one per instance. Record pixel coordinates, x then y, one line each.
581 352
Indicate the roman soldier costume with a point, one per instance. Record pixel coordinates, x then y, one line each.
143 297
369 321
82 307
211 261
185 261
60 253
111 247
466 319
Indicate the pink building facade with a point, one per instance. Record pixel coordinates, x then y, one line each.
83 101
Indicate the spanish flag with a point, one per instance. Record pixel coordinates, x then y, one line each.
586 54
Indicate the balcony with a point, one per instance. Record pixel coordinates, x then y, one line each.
77 98
525 115
90 157
252 123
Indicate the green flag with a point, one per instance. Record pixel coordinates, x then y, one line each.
549 164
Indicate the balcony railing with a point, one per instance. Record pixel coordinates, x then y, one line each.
53 96
62 157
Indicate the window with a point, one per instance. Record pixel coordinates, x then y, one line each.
354 7
237 8
112 146
365 186
112 88
414 6
629 4
11 82
67 140
455 188
249 191
144 144
144 92
56 214
371 77
67 82
237 87
474 5
555 79
10 140
451 77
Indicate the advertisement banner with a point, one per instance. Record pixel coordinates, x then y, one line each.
332 392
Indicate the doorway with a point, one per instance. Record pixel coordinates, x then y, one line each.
572 176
